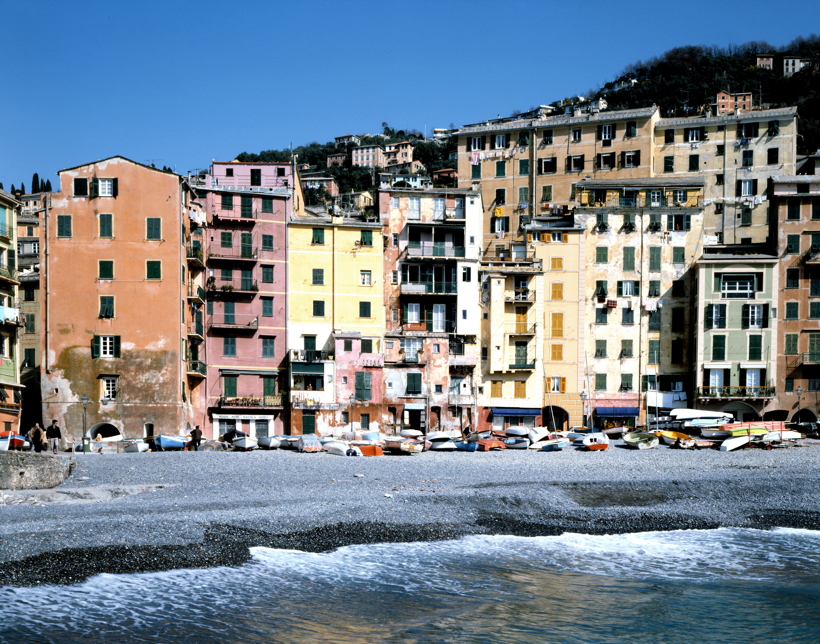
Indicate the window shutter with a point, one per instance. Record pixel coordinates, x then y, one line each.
709 312
598 160
359 385
404 313
117 345
620 288
569 164
468 144
758 282
745 323
598 132
506 140
636 288
614 130
428 318
738 188
702 133
95 347
116 186
686 131
565 237
740 130
717 282
754 186
755 129
95 187
483 142
581 159
622 159
670 222
765 320
563 385
367 385
12 258
637 157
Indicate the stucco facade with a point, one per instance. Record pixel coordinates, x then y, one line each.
11 319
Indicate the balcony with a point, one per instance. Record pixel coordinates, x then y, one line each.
196 332
812 256
235 321
448 216
196 369
320 399
8 274
236 286
798 360
309 355
523 295
252 401
737 393
241 254
461 400
463 360
512 264
429 288
5 231
589 200
519 328
433 249
521 364
237 213
196 295
11 316
195 256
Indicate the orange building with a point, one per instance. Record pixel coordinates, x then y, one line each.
120 297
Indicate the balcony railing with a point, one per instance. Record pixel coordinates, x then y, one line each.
196 331
234 285
461 400
522 363
590 200
794 361
10 315
250 401
197 367
245 253
448 215
812 255
520 295
8 273
520 328
195 255
239 321
736 392
237 212
434 249
462 360
309 355
196 294
422 288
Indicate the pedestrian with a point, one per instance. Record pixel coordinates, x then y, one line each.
54 435
37 437
196 437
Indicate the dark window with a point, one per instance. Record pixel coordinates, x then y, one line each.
280 172
246 207
600 382
267 274
318 276
106 225
600 315
788 384
773 156
267 307
107 306
678 255
81 187
626 348
720 150
655 320
793 210
654 288
678 320
814 310
815 208
475 172
547 138
748 158
631 128
227 201
153 270
792 311
106 269
267 242
413 384
669 136
29 295
694 162
669 164
814 284
367 345
256 177
600 348
718 348
318 308
364 309
679 288
792 244
500 197
153 228
548 165
63 225
228 172
677 351
318 236
267 204
367 238
524 166
654 354
363 385
793 278
755 347
719 179
229 349
627 316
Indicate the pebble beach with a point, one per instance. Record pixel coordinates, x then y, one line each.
126 513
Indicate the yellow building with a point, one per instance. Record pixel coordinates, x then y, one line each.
335 317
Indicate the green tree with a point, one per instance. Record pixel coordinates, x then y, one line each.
35 183
23 188
48 185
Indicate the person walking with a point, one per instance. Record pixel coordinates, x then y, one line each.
196 437
53 434
37 437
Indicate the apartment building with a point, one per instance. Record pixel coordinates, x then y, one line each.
736 326
430 295
735 154
336 159
398 154
11 318
368 156
335 322
643 238
245 317
729 103
114 310
796 231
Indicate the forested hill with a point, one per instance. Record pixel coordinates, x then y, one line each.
684 80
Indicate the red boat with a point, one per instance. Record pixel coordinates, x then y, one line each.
371 450
15 441
490 444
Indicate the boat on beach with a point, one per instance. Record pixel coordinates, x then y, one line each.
246 443
640 440
268 442
670 438
734 442
308 443
595 442
337 448
135 447
171 442
490 445
555 444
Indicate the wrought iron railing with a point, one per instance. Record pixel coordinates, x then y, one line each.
765 391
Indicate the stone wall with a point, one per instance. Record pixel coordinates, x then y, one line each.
24 471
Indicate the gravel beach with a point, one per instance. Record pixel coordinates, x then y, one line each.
123 513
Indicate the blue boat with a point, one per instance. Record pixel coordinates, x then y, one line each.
467 446
555 445
172 442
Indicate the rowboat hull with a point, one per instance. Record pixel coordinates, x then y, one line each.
443 446
268 442
596 442
517 443
490 445
555 445
670 438
371 450
245 442
734 442
337 448
136 447
172 442
467 446
640 440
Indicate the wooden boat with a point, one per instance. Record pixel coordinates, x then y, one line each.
402 445
490 445
734 442
268 442
370 450
538 434
438 436
690 414
172 442
640 440
212 446
308 443
579 432
714 432
517 430
776 437
337 448
411 433
443 446
670 438
614 431
376 438
246 443
467 446
555 445
135 447
11 441
745 431
288 442
517 443
596 441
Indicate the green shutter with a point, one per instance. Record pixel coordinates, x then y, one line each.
95 187
153 269
95 346
106 269
106 226
718 347
629 258
601 254
367 238
755 347
246 207
267 204
620 288
654 352
791 343
678 255
229 383
63 225
117 346
268 386
318 236
655 259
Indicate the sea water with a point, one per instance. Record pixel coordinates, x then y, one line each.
726 585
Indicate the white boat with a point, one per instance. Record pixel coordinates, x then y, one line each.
268 442
714 432
337 448
308 443
172 442
136 447
733 443
517 430
517 442
612 431
538 434
640 440
688 414
775 437
443 446
411 433
245 442
595 441
554 445
375 438
438 436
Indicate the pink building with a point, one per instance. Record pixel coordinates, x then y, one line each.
728 102
336 159
368 156
248 205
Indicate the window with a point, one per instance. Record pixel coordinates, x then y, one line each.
547 137
106 346
679 288
793 278
654 288
792 244
523 195
601 315
63 225
475 172
557 352
747 187
629 258
720 150
267 307
654 322
793 210
153 269
693 134
466 274
246 207
631 129
678 255
520 389
318 276
256 177
318 308
788 384
669 164
792 310
814 284
413 384
575 163
694 162
773 128
367 345
229 347
814 310
605 161
501 141
719 180
364 386
601 255
791 343
601 289
29 295
476 143
109 385
626 348
773 156
228 172
626 382
631 159
364 309
227 201
268 350
755 347
677 351
267 204
106 223
654 259
548 165
106 306
226 239
81 187
501 224
600 382
718 348
557 263
600 348
669 136
557 291
715 316
267 274
318 236
654 354
627 316
413 315
365 278
496 389
28 359
576 135
748 158
628 288
500 197
367 238
524 166
267 242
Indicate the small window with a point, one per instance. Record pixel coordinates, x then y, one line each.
600 382
229 349
153 270
106 306
669 136
694 162
669 164
792 244
256 177
267 274
524 167
720 150
63 225
546 193
773 156
748 158
106 222
547 137
601 255
792 278
268 347
678 255
153 228
576 135
267 307
109 387
792 311
228 172
367 345
227 200
106 269
267 242
631 129
364 309
367 238
500 168
500 197
81 187
318 276
318 236
267 204
318 308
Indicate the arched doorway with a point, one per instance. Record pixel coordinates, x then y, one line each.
556 418
804 415
106 430
741 411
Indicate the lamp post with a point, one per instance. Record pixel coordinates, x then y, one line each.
86 442
584 407
799 396
350 411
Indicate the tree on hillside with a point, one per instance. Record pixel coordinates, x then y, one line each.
48 186
12 188
35 183
23 188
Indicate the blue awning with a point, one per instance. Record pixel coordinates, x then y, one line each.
616 412
514 411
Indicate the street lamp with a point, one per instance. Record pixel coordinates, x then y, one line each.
86 446
799 395
584 407
350 411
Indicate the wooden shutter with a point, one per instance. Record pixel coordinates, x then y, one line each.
483 142
468 144
360 385
581 158
565 237
754 186
765 321
95 346
636 288
745 318
569 164
117 346
620 288
707 322
636 155
622 160
598 160
506 140
95 187
563 385
598 132
116 187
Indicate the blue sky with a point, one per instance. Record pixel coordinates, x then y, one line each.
181 83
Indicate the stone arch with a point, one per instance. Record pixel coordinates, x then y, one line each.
561 418
804 415
106 430
741 411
